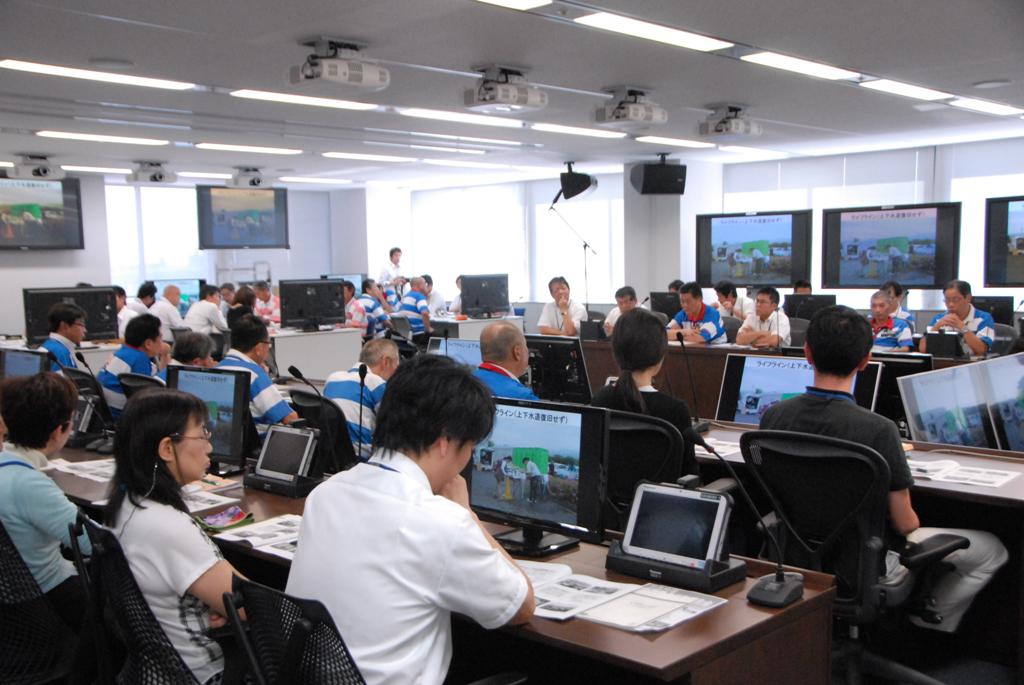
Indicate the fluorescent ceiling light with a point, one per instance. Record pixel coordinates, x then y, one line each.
249 148
577 131
95 169
459 117
986 107
440 148
466 139
905 89
368 158
517 4
6 165
203 174
291 99
753 153
799 66
655 32
96 138
465 165
313 179
107 77
675 142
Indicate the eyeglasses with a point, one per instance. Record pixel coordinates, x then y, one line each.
205 436
79 323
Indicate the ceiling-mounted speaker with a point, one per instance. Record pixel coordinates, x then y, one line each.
575 183
658 178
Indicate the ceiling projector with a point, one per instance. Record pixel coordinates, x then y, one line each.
35 168
729 121
630 110
151 172
341 63
504 91
247 177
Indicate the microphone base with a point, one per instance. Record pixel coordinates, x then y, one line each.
769 592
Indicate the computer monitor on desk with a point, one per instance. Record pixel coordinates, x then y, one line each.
485 295
540 468
751 384
558 372
15 363
1005 381
805 306
309 304
896 365
225 392
666 302
949 406
99 304
999 306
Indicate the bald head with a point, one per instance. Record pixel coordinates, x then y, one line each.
172 294
504 344
418 284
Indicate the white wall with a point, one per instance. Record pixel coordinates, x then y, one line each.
57 268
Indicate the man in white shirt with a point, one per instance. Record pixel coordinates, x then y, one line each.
204 315
227 296
144 298
768 326
563 316
166 309
731 303
268 305
625 298
355 313
391 274
124 312
435 300
419 553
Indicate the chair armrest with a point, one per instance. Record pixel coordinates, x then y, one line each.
720 486
915 555
688 482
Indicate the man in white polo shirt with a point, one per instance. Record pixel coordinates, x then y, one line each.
768 326
204 315
418 552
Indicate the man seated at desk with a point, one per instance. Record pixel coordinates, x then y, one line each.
204 316
250 348
890 334
768 326
355 313
343 387
191 349
267 305
899 294
696 321
417 311
142 344
977 326
377 308
67 331
435 300
838 346
562 316
166 309
625 300
505 358
418 553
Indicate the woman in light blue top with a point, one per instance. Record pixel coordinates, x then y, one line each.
37 411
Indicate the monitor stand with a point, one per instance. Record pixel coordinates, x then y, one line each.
220 468
530 541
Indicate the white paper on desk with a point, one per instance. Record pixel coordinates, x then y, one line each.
563 599
652 608
540 572
931 470
100 470
284 549
199 501
969 475
281 528
723 447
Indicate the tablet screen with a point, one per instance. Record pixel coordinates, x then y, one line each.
284 453
676 526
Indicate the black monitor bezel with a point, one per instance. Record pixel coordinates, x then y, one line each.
660 299
987 424
895 365
534 340
831 252
92 333
44 360
290 321
801 232
239 419
796 300
996 227
590 491
71 192
1004 302
204 210
475 281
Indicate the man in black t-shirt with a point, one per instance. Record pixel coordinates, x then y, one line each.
838 346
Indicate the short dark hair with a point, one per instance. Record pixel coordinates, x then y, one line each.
626 291
431 396
190 346
675 285
392 251
557 279
147 289
119 291
692 289
429 280
33 406
726 288
140 329
368 283
227 286
139 472
894 287
261 285
962 287
771 292
64 312
839 338
348 285
248 332
801 283
638 342
208 290
244 296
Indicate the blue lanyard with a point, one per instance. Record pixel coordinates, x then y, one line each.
830 395
368 463
17 463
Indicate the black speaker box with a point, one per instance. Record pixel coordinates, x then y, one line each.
658 179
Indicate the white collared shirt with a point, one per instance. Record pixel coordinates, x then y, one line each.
551 315
123 317
776 324
205 317
392 580
169 317
32 456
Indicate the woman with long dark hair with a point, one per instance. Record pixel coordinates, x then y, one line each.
245 300
161 444
639 345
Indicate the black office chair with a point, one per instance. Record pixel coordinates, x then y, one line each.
88 385
179 331
286 639
36 646
798 331
1004 340
334 449
732 326
829 500
221 343
132 383
593 315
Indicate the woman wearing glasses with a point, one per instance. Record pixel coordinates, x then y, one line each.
162 443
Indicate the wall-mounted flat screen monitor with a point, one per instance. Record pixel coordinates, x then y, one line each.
15 363
558 371
999 306
225 392
751 384
308 304
917 245
540 468
484 295
1005 378
189 288
463 351
40 215
242 218
1004 241
100 305
754 249
949 406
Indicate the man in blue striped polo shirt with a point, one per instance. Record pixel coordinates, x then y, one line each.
250 348
381 360
977 326
377 308
67 331
416 309
890 334
142 344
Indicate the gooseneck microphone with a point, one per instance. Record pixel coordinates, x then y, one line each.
446 332
699 426
645 300
81 358
777 589
53 358
362 385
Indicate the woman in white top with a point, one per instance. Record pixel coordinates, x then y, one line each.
730 303
162 443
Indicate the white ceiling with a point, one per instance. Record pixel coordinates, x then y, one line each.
227 44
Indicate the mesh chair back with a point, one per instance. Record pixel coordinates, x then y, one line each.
35 644
1004 340
88 385
221 343
291 640
640 447
151 659
798 331
832 497
334 449
132 383
732 326
178 332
